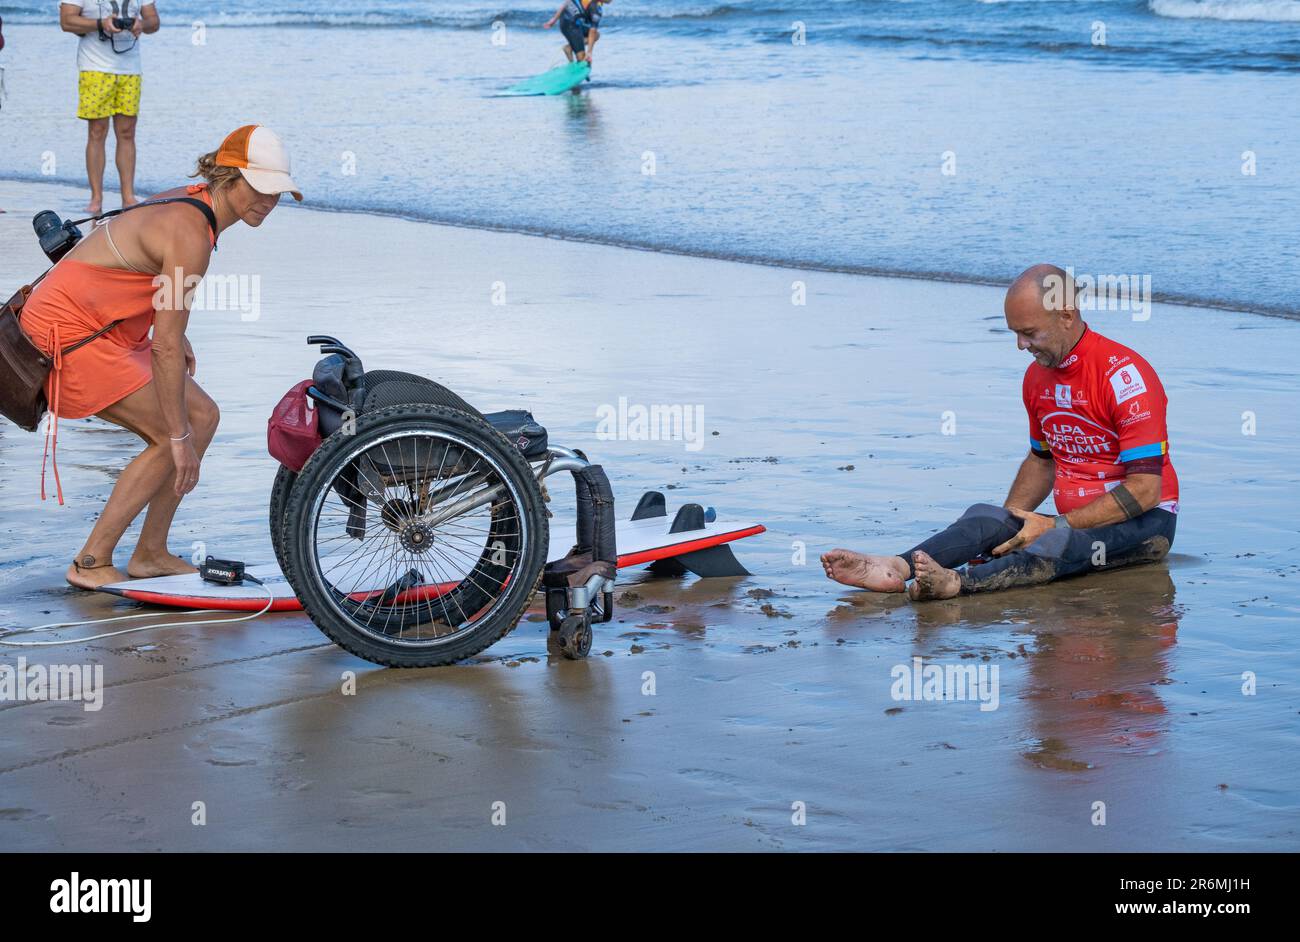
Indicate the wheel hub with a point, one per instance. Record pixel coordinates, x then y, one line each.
416 537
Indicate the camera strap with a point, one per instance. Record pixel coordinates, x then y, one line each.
207 211
199 204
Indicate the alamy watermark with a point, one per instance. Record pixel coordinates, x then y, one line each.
657 422
241 293
30 682
79 894
1085 292
923 681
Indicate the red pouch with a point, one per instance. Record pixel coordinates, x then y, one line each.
291 433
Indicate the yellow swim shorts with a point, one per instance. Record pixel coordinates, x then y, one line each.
102 95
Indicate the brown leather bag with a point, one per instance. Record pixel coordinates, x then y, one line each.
24 369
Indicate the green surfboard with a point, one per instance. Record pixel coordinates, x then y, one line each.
555 82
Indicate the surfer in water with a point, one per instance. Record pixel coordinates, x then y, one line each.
578 21
140 268
1097 443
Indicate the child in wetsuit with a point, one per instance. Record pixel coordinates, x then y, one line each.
578 20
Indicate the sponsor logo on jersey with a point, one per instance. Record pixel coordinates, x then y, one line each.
1075 442
1127 382
1063 396
1135 415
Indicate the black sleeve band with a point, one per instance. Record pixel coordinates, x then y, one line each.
1127 502
1153 465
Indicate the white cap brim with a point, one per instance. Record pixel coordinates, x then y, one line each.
271 181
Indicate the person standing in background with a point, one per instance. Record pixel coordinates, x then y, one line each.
108 85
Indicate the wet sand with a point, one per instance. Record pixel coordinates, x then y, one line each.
1124 688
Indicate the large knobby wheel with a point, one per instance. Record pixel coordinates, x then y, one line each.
284 479
416 540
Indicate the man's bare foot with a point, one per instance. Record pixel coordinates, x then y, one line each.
129 201
148 567
877 573
932 580
87 573
95 207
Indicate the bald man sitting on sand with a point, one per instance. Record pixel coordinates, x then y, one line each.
1097 443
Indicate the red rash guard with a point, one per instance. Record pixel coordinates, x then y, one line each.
1100 415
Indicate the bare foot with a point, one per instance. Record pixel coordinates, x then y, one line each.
129 201
86 573
95 207
148 567
932 580
877 573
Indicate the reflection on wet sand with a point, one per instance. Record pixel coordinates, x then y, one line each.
1098 650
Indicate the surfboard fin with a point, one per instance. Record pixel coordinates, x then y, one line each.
716 561
412 578
651 504
708 563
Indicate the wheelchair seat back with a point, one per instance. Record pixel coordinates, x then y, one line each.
379 389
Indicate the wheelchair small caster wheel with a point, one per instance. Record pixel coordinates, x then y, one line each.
575 637
557 607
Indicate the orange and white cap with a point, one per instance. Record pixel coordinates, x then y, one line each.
260 156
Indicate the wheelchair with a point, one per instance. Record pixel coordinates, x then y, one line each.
416 532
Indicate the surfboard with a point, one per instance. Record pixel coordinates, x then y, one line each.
671 547
555 82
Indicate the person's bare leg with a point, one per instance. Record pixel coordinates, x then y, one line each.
124 155
151 556
139 481
96 138
932 580
862 571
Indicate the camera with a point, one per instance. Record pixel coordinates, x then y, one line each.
122 18
56 236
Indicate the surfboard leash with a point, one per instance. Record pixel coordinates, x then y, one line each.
270 600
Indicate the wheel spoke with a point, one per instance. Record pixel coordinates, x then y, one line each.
463 565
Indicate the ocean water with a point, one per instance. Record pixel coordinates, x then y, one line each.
954 139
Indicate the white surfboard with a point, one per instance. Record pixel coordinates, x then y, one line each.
642 541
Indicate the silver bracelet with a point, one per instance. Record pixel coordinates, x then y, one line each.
185 436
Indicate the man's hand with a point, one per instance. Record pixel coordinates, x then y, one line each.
1035 526
191 364
186 461
549 23
108 26
137 27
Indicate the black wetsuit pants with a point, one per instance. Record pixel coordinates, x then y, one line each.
574 32
1057 553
